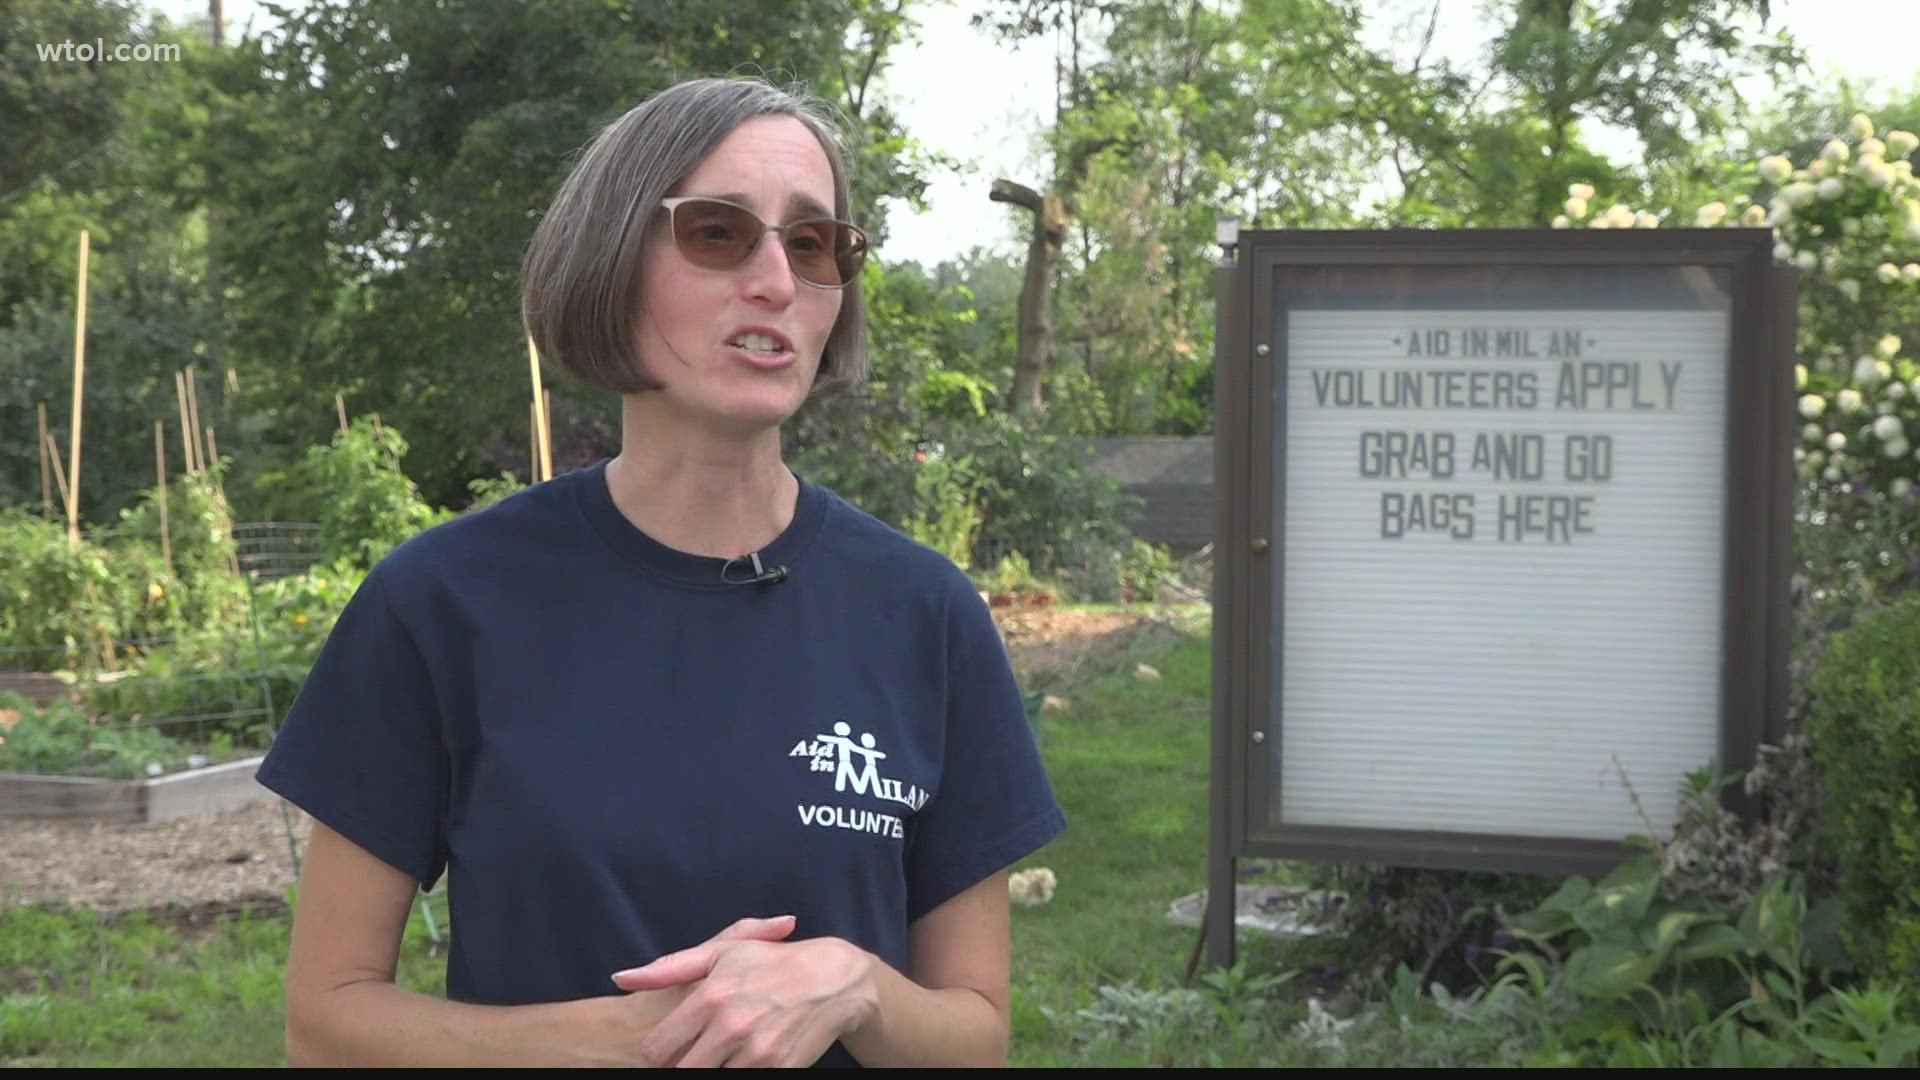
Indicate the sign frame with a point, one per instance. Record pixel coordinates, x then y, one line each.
1249 393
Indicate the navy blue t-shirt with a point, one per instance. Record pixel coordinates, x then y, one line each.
612 754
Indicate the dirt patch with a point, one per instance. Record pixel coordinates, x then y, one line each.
188 864
1051 648
199 867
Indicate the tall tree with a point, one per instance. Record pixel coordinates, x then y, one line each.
379 165
1496 141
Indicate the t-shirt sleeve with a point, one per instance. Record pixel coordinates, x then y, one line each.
995 803
362 748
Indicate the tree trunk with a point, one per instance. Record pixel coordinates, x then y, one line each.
1036 321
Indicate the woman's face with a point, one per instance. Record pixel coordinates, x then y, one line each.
737 349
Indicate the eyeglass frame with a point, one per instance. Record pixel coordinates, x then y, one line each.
672 203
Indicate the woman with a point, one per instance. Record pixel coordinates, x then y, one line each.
720 769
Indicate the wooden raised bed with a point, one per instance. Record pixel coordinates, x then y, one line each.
211 790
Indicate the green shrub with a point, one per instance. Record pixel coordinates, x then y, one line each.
62 605
1863 716
945 517
59 739
354 487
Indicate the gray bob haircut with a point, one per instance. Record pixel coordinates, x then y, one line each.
581 272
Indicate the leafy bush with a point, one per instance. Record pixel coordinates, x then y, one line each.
1659 982
354 487
59 739
1035 497
1863 716
944 515
223 680
1143 566
62 605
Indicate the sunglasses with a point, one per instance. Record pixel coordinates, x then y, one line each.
714 234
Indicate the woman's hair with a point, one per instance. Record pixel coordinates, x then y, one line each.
580 278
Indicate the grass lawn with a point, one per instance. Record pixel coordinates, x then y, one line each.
1129 760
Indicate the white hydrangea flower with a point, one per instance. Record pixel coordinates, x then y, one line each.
1896 391
1889 428
1872 146
1902 143
1620 216
1806 260
1646 220
1887 273
1560 222
1870 372
1849 288
1812 405
1837 440
1914 386
1888 346
1813 433
1799 455
1900 487
1849 401
1832 473
1799 376
1775 168
1860 126
1816 458
1797 194
1896 449
1576 207
1031 888
1849 226
1911 271
1913 231
1754 217
1831 188
1902 170
1814 171
1583 192
1835 151
1878 176
1710 215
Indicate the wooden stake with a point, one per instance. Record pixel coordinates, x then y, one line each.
59 471
46 473
79 383
193 409
540 417
340 406
186 421
547 397
213 454
160 479
533 445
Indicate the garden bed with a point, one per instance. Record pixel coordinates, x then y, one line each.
211 789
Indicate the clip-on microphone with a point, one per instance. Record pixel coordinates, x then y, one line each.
762 575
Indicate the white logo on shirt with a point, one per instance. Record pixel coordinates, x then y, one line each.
855 767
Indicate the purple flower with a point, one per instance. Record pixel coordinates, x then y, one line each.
1503 940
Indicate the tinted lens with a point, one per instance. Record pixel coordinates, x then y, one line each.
714 235
824 252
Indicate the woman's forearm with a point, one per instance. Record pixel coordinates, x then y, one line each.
376 1023
916 1026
